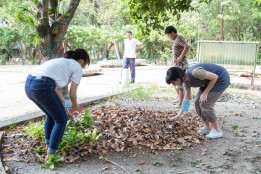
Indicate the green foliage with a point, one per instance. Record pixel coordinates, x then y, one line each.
9 36
92 135
87 121
165 55
53 162
39 149
72 137
234 127
150 15
76 133
145 92
105 20
2 59
35 130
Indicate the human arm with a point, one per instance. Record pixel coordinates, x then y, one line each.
138 44
73 97
183 54
58 92
138 47
212 81
185 104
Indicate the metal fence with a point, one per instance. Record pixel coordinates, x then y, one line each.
233 55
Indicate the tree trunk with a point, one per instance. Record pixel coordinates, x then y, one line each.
52 28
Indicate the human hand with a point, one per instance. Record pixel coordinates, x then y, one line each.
75 111
176 118
178 60
203 98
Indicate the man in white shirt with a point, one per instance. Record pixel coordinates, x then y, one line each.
131 45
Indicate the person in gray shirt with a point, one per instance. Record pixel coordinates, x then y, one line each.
212 81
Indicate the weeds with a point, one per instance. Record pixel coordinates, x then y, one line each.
233 127
35 130
39 149
53 162
157 163
77 132
92 135
175 156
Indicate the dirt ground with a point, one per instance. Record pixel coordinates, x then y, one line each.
239 151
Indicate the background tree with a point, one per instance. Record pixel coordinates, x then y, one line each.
50 21
149 15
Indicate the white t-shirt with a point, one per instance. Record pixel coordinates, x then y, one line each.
130 47
61 70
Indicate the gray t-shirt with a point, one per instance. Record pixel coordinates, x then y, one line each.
197 72
61 70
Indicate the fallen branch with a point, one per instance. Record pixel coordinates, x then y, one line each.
115 164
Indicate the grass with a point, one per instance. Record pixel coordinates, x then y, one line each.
144 92
244 93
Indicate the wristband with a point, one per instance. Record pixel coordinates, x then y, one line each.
185 105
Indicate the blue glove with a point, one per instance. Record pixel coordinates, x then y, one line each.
185 105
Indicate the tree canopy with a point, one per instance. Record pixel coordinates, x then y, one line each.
99 25
150 14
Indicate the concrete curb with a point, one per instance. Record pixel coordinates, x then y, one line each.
34 115
2 169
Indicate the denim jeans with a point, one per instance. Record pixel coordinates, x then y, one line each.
41 90
129 62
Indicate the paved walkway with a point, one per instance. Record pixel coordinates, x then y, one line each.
16 107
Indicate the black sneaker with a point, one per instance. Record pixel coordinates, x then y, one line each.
132 81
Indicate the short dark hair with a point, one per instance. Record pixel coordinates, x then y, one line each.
129 32
173 74
170 29
77 55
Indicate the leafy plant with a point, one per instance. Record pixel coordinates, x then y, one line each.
52 162
92 135
35 130
39 149
234 127
87 120
72 138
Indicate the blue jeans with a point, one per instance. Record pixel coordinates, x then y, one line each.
129 62
41 90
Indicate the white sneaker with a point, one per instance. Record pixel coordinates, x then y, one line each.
214 134
203 131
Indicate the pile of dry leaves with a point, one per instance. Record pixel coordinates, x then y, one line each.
122 128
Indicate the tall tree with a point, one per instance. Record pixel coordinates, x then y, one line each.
51 25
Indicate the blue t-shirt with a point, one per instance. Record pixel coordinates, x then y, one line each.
221 84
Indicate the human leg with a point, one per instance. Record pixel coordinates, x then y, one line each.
42 92
35 91
59 117
208 111
126 63
132 68
206 129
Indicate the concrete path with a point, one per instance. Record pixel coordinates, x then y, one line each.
16 107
